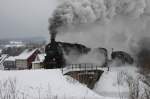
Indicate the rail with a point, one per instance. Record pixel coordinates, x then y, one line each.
83 67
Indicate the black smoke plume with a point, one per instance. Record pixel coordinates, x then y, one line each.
55 23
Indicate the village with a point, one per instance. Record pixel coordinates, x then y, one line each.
18 56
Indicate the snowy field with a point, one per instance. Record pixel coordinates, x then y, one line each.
112 83
51 84
42 84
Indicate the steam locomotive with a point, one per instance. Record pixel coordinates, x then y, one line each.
54 56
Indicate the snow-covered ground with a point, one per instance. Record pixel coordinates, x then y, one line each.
112 83
33 83
41 84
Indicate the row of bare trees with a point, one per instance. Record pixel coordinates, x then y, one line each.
137 88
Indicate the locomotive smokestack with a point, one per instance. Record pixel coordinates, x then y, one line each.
53 36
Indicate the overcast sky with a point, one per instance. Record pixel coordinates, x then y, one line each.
25 18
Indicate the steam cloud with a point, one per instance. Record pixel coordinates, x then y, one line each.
89 11
94 56
103 19
117 24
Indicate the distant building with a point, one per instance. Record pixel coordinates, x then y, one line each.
10 63
2 59
38 63
24 60
15 44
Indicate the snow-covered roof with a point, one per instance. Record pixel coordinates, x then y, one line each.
41 57
11 45
26 54
11 58
15 44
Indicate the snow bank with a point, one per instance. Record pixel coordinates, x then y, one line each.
111 84
48 82
40 84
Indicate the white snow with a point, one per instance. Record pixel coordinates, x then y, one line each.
11 58
32 81
110 85
52 82
40 57
25 54
15 44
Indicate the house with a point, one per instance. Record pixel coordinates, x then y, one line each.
25 59
38 63
10 63
2 59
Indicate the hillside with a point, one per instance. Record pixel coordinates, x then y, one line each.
51 84
46 83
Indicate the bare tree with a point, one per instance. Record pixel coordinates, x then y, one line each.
8 89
